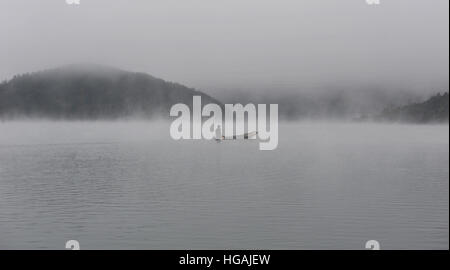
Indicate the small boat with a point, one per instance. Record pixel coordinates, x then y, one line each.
245 136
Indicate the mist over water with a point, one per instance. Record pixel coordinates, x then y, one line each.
128 185
108 174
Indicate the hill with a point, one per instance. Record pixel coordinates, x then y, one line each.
435 109
91 92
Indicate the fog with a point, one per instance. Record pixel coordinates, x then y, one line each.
87 153
128 185
229 46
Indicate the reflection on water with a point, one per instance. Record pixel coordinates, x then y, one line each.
129 186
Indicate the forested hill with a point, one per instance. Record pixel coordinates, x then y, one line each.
435 109
91 92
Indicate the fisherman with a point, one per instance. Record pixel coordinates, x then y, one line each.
219 133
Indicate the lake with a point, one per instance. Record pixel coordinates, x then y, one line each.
128 185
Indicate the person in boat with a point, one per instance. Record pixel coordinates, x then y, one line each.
219 133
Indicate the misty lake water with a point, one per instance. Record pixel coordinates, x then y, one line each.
128 185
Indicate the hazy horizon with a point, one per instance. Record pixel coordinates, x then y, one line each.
116 129
256 46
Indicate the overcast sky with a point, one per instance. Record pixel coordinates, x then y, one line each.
220 43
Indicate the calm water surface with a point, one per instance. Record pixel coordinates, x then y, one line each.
127 185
